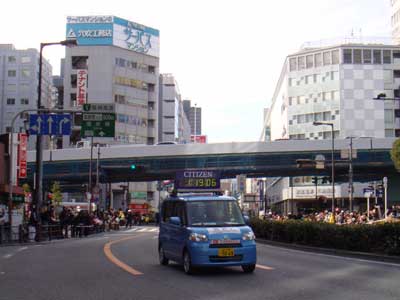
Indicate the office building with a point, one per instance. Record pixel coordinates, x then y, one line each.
120 60
395 21
337 84
194 116
116 62
19 87
173 123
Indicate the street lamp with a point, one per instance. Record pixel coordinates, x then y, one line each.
195 123
333 159
39 155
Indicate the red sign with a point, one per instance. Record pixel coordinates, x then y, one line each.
22 155
81 86
139 208
200 139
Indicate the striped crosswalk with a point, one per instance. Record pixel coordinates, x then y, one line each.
141 229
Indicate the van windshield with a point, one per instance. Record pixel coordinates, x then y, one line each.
209 213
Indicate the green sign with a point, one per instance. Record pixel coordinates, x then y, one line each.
98 125
139 195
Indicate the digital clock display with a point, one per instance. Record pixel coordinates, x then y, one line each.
197 179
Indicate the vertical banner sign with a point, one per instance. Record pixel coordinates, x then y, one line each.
23 143
81 86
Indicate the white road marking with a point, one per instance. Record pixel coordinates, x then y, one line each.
22 249
335 256
155 237
7 256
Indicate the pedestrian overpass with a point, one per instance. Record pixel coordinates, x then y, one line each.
255 159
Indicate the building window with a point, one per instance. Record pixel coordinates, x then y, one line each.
79 62
11 87
389 116
74 80
24 101
25 59
73 100
290 101
389 133
318 59
357 56
335 57
302 63
12 59
347 56
387 57
309 61
334 75
151 69
327 115
367 56
326 96
308 79
10 101
327 58
25 73
291 82
293 64
12 73
377 56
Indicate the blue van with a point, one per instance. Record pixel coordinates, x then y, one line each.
205 231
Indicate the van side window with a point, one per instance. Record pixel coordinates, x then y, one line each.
167 210
180 212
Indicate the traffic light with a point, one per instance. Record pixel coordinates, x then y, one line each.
133 167
314 180
325 179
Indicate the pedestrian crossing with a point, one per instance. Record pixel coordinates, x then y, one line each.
141 229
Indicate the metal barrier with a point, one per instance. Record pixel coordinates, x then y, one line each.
41 233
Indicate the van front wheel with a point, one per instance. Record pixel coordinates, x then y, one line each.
187 263
161 256
249 268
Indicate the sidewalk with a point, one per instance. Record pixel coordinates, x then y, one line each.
338 252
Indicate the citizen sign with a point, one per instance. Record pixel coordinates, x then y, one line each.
198 174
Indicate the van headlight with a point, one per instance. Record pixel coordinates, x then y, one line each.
198 237
248 236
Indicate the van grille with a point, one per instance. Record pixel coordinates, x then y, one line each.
225 245
226 259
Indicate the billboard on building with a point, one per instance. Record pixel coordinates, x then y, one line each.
110 30
81 86
200 139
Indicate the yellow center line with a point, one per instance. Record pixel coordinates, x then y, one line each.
116 261
264 267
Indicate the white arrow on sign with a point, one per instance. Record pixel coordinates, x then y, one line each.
49 122
101 133
34 128
62 122
39 122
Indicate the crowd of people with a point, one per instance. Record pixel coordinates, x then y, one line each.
75 222
340 216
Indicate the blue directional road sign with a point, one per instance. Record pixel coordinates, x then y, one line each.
46 124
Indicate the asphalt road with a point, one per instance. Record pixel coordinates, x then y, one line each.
124 265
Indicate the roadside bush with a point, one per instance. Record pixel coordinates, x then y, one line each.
381 238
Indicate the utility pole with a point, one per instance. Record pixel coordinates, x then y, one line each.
90 175
351 175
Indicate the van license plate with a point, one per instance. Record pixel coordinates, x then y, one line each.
224 252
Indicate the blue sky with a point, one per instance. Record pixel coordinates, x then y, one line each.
226 55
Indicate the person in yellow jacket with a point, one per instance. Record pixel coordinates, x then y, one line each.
332 218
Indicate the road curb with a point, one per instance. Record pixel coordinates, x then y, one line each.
338 252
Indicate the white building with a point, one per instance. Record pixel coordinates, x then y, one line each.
335 84
173 124
396 21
